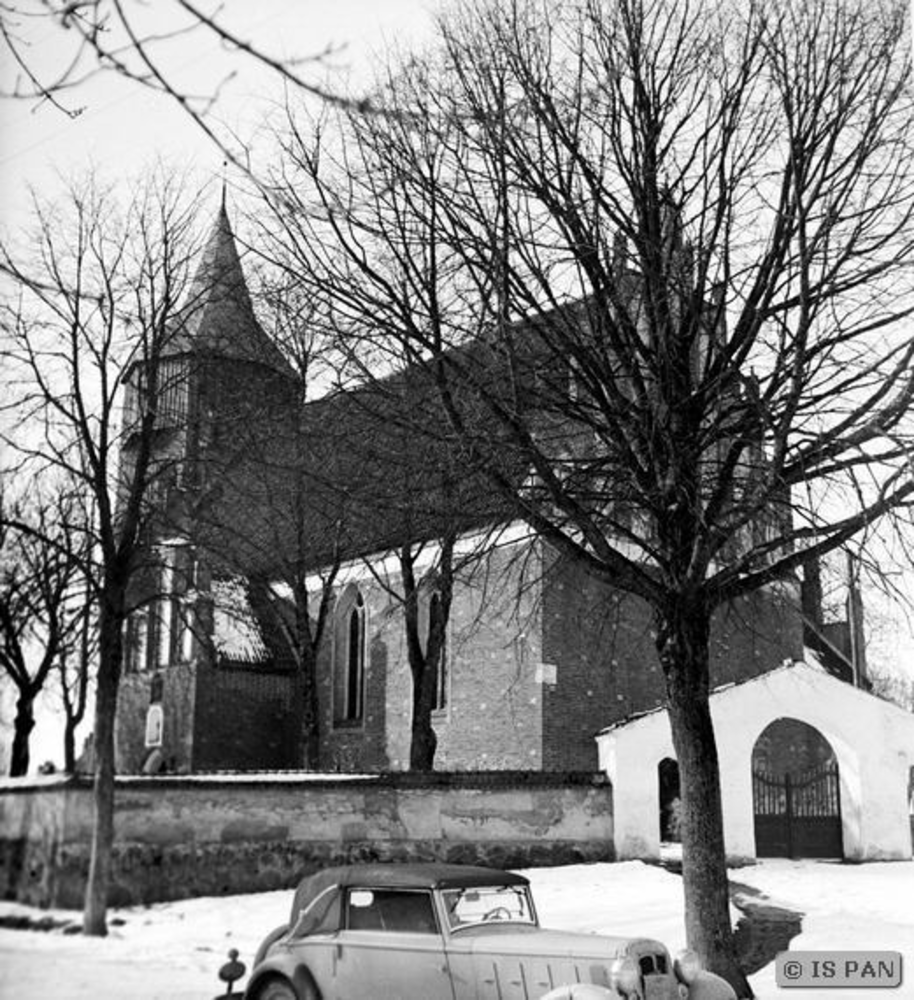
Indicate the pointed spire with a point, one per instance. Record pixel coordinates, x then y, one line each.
217 317
219 274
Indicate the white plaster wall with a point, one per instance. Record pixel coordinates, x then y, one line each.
872 739
630 756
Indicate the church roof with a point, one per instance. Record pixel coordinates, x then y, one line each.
238 635
358 472
217 317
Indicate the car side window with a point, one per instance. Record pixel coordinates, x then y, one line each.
322 916
390 910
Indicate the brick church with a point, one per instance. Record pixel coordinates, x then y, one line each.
261 492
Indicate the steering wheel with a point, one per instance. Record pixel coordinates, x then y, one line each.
498 913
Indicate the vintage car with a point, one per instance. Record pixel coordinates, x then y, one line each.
452 932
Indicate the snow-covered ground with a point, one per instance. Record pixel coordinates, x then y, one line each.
173 950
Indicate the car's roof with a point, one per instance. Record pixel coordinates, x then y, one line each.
427 875
430 875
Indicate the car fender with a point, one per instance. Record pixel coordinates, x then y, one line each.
708 986
261 972
300 977
272 937
580 991
264 970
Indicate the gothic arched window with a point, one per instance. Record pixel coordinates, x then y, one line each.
137 641
429 610
349 656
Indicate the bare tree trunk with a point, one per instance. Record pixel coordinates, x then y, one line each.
69 745
423 740
23 724
96 900
682 642
110 443
310 708
303 636
426 657
75 710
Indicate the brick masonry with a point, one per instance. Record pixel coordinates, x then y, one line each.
539 661
215 717
601 643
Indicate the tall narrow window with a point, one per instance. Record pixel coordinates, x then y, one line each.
184 603
166 609
434 610
429 610
349 657
134 394
356 661
137 641
172 386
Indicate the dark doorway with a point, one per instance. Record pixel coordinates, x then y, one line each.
796 793
911 804
668 779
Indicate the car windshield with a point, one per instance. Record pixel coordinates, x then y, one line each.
488 904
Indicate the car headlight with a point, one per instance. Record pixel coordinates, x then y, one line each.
687 966
625 976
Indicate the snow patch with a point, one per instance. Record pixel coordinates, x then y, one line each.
236 632
172 951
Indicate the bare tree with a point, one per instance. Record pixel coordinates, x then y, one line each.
423 587
76 667
28 83
894 688
74 677
93 308
429 570
655 257
349 474
40 613
425 500
143 45
426 645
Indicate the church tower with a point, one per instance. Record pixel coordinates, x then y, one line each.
233 376
196 651
215 371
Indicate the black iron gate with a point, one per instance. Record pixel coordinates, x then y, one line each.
798 815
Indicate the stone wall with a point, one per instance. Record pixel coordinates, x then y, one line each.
179 837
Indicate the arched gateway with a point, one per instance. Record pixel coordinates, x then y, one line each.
795 793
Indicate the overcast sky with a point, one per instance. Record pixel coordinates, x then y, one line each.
123 127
